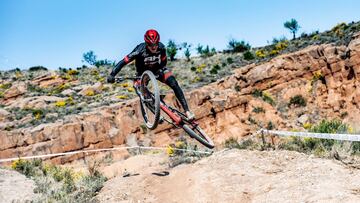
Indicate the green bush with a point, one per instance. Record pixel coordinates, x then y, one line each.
171 49
297 101
89 57
332 126
248 55
322 147
58 184
103 62
238 46
339 29
37 68
229 60
177 157
232 143
215 69
257 93
268 98
205 52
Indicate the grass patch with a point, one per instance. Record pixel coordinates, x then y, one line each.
232 143
59 184
323 147
177 157
297 101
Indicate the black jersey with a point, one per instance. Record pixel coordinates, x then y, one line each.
144 59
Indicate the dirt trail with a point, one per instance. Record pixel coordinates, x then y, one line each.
15 187
237 176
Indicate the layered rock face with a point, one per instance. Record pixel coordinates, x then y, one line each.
326 76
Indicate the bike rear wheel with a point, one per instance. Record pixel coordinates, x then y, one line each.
150 104
199 135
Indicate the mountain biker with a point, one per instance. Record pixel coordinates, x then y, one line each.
151 55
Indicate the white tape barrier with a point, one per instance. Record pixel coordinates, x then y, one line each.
343 137
99 150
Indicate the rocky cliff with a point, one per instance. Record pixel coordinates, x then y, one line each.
288 92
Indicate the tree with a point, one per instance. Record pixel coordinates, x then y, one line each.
293 26
205 52
171 49
238 46
89 57
199 49
187 53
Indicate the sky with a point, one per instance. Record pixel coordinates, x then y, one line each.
56 33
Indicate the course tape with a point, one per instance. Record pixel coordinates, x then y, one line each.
99 150
343 137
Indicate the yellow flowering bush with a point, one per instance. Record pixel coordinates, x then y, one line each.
196 79
66 77
200 68
18 74
307 125
60 103
121 96
130 89
274 52
70 101
260 53
125 85
170 150
90 92
72 72
317 75
5 86
94 72
338 30
281 45
315 37
180 144
15 164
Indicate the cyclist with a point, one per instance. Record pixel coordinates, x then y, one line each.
151 55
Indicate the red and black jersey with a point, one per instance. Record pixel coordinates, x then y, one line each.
144 59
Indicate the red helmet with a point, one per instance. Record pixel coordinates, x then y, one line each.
152 37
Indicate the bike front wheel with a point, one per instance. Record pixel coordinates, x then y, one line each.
199 135
150 101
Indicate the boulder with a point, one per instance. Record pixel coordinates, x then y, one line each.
15 90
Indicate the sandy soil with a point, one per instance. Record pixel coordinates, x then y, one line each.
15 187
234 176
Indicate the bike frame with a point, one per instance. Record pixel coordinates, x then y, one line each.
177 117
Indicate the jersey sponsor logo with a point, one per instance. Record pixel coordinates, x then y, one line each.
152 60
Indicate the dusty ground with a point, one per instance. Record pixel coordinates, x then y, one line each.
235 176
15 187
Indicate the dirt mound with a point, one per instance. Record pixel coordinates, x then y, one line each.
15 187
239 176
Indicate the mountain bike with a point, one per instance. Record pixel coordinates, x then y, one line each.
152 103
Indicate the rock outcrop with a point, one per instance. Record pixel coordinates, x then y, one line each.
327 76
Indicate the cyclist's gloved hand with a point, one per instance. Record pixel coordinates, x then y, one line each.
110 79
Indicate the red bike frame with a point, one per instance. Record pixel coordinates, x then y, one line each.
176 118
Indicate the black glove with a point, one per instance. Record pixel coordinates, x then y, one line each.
110 79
